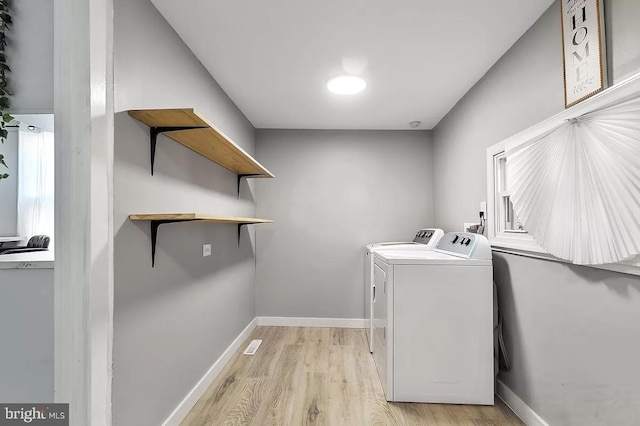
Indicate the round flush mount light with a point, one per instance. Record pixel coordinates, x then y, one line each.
346 85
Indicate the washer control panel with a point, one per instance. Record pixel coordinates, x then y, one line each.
429 236
460 244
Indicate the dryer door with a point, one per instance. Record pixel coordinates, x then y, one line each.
380 304
368 295
380 354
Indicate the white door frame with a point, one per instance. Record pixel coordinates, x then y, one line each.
83 274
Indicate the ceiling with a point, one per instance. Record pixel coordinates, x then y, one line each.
418 57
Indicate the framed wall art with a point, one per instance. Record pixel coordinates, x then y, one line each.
583 49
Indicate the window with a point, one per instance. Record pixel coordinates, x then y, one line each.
35 182
506 219
505 231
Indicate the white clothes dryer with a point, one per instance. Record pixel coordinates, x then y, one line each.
425 239
433 327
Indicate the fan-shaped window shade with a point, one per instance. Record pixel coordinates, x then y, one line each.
576 189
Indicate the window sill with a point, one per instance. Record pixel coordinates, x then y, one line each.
525 245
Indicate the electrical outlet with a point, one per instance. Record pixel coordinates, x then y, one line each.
206 250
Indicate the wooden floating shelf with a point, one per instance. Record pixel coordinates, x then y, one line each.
162 218
187 127
187 217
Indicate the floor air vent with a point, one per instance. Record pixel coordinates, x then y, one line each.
253 347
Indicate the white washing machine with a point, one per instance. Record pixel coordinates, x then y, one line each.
425 239
434 322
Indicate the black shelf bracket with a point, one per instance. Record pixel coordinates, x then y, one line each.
245 176
154 236
153 137
240 225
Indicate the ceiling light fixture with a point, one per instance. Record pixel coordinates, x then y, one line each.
346 85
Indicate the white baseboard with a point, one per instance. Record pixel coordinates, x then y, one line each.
312 322
518 406
199 389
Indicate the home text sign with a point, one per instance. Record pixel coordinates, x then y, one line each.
583 49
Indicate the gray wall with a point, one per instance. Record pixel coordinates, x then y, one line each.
572 335
571 331
334 192
173 321
30 56
9 186
26 333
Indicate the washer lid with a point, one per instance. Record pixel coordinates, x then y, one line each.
425 257
392 243
405 246
425 238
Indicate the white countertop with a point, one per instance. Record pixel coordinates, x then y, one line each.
12 239
36 260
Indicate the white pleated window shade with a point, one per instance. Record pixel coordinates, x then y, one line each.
577 188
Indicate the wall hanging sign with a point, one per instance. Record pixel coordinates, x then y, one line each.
583 49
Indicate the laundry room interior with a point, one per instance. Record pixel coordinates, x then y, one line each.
455 243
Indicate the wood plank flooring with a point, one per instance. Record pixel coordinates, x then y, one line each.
319 376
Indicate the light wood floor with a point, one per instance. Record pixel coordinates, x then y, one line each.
319 376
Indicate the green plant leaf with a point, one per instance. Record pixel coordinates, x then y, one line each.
5 22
